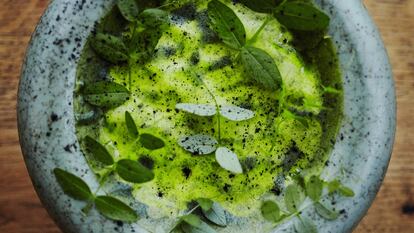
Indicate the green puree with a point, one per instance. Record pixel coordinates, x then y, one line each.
281 140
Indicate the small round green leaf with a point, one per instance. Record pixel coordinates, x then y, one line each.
133 171
129 9
199 144
346 191
326 212
333 186
205 203
228 160
98 151
294 197
151 142
72 185
216 215
106 94
110 48
130 124
115 209
235 113
270 211
314 188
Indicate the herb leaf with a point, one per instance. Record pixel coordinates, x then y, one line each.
131 126
199 144
72 185
326 212
262 6
129 9
228 160
192 219
197 109
216 215
294 197
133 171
115 209
205 203
110 48
98 151
202 228
346 191
271 211
301 16
227 25
305 225
333 186
106 94
151 142
153 17
314 187
260 66
234 113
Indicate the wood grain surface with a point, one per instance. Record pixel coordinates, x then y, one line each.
392 211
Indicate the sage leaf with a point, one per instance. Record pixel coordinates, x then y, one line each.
192 219
133 171
305 225
294 197
234 113
302 16
115 209
151 142
197 109
216 215
203 228
261 67
262 6
129 9
270 211
227 25
131 126
110 48
153 17
314 188
98 151
106 94
205 203
199 144
72 185
326 212
346 191
228 160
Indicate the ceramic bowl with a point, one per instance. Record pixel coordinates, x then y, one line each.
47 126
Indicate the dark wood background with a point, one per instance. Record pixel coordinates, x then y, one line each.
392 211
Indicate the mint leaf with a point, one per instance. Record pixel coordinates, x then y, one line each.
261 67
305 225
301 16
294 198
115 209
227 25
205 203
326 212
151 142
216 215
98 151
130 124
197 109
153 17
129 9
110 48
228 160
234 113
199 144
270 211
72 185
262 6
133 171
106 94
314 188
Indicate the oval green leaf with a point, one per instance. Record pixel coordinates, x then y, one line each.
110 48
199 144
314 188
203 228
305 225
98 151
133 171
115 209
294 198
301 16
153 17
216 215
130 124
129 9
270 211
205 203
72 185
333 186
235 113
197 109
228 160
262 6
261 67
192 219
151 142
326 212
227 25
106 94
346 191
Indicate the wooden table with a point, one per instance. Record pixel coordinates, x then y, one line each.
21 211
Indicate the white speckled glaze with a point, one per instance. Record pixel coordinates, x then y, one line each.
47 130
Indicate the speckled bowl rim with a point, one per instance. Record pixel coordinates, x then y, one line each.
46 118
